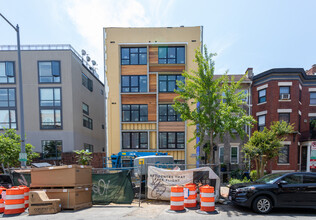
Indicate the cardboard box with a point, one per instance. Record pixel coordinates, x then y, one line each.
39 204
71 198
70 175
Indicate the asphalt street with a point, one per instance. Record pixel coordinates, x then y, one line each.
150 210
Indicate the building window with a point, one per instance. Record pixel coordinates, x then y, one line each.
262 96
171 55
284 92
261 122
284 117
85 108
50 108
284 154
49 71
171 140
86 82
7 108
299 123
135 113
312 98
135 140
234 155
221 155
134 84
7 72
52 149
88 147
167 83
87 122
167 113
312 127
300 96
134 56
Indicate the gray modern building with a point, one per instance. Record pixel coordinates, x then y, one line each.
64 100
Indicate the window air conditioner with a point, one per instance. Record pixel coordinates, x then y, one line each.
285 96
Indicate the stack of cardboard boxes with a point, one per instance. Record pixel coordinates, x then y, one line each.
72 184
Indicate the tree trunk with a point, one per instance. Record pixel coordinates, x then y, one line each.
211 148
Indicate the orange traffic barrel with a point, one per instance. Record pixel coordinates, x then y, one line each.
207 203
2 193
177 198
26 195
190 195
14 201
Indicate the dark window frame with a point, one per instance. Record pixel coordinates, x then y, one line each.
86 82
285 114
7 77
54 108
88 147
167 81
9 109
262 99
262 126
176 115
52 158
287 159
130 87
88 123
310 99
300 96
312 128
167 59
130 112
83 110
176 142
280 94
129 55
51 61
139 140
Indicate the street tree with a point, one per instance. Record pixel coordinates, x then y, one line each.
218 100
10 147
265 145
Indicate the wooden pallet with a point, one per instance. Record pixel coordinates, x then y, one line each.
80 206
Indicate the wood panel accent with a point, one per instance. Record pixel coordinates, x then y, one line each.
167 68
134 70
138 126
172 126
152 83
149 99
152 140
167 97
177 155
153 54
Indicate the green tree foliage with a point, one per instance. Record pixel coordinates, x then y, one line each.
220 104
83 157
10 147
265 145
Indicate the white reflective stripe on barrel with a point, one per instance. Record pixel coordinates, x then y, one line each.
207 195
176 194
26 194
11 197
189 201
17 206
1 205
207 204
192 193
181 203
26 202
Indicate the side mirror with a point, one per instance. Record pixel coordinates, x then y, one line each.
282 182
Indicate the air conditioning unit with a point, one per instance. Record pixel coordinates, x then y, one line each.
285 96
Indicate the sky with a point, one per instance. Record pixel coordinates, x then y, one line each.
244 33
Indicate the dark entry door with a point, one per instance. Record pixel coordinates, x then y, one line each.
304 158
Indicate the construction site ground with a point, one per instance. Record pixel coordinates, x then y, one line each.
151 209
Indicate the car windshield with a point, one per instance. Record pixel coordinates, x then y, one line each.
270 178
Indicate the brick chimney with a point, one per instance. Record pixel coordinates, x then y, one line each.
249 71
311 71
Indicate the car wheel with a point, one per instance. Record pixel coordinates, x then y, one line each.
262 205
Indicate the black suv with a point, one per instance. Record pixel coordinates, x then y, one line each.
292 190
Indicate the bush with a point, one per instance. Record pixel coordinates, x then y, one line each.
253 175
233 181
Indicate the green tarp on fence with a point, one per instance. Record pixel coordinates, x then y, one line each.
107 188
112 188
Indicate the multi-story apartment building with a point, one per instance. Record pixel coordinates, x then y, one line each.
288 94
64 107
142 67
230 148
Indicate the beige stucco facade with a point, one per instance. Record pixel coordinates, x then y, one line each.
114 39
72 133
